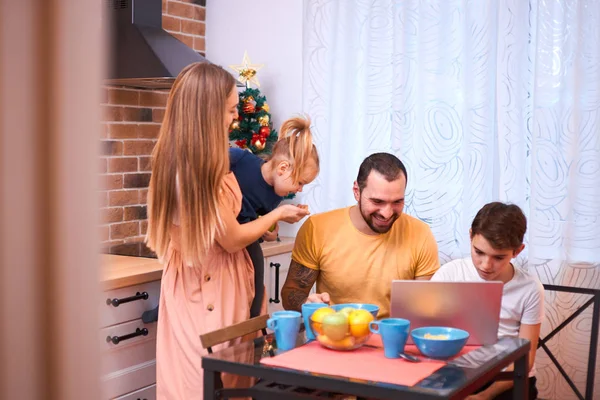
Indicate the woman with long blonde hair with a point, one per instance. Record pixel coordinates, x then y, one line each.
193 201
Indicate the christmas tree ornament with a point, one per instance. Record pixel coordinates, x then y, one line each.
249 108
247 71
234 125
264 132
260 145
264 120
258 142
266 107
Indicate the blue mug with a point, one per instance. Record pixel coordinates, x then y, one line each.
394 333
307 311
286 325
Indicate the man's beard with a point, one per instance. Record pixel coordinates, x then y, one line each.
368 218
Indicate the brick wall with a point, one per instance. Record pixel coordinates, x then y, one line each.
131 123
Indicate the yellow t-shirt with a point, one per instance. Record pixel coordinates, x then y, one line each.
358 268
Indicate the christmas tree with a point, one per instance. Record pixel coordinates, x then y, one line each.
253 130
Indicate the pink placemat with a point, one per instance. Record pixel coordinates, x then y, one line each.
365 363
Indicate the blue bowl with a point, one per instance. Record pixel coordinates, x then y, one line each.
439 347
372 308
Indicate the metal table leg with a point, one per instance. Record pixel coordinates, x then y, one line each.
212 383
521 381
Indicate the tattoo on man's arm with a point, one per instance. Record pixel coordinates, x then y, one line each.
295 299
297 285
303 276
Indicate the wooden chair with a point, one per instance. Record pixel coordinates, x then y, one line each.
211 339
228 333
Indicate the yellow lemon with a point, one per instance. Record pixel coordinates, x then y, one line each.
359 322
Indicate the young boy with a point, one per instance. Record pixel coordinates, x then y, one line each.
497 237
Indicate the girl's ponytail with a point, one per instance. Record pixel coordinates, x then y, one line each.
296 145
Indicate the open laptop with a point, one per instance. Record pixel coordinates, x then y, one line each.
472 306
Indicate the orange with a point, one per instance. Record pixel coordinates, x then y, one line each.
345 343
359 323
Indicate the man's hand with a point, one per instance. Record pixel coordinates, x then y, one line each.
295 290
319 298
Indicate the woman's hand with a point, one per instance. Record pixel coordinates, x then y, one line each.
271 236
291 214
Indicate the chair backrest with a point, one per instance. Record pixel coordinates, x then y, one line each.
228 333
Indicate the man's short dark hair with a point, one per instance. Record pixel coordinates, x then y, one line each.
386 164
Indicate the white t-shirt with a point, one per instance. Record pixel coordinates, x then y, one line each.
522 296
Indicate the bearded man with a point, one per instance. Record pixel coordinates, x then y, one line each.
354 253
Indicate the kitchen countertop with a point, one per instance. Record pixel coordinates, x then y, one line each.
133 263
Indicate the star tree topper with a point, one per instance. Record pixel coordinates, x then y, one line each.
247 71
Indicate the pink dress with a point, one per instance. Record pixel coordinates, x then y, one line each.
198 299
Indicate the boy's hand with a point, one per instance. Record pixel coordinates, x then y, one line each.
271 236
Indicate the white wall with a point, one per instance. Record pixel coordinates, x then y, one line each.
271 32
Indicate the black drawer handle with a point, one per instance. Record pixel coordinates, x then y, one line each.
119 339
276 299
117 302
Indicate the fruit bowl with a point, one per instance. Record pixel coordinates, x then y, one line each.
372 308
438 341
346 328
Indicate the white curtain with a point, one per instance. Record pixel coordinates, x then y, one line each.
483 101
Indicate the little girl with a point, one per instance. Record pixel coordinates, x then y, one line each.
293 163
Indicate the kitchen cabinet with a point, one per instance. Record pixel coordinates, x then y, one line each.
276 270
131 286
128 345
147 393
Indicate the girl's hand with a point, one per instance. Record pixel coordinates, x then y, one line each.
291 214
271 236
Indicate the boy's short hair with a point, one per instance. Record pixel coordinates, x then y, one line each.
502 225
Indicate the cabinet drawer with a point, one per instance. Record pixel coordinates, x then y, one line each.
127 381
147 393
129 352
129 310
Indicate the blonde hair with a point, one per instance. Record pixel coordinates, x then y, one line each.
189 162
295 145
